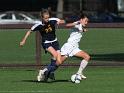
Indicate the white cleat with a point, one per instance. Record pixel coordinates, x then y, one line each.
83 77
40 76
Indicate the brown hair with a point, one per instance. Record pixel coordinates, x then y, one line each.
82 15
44 11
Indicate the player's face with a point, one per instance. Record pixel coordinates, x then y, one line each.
84 21
46 17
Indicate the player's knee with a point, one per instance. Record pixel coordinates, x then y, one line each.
59 62
87 57
55 56
58 58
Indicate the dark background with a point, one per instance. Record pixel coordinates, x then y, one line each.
37 5
26 5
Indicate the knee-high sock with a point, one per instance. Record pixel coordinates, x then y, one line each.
52 66
83 64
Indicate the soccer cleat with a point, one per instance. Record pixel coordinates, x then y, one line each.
40 76
52 76
83 77
46 75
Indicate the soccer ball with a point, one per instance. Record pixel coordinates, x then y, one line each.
76 78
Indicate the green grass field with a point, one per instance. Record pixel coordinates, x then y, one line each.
100 80
103 44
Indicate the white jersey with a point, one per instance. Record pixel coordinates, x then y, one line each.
76 34
70 48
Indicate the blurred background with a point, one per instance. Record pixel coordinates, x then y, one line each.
97 10
104 40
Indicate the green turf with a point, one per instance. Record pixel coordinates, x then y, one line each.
10 50
100 80
103 44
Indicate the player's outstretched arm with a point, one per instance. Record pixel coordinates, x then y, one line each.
25 38
70 25
62 21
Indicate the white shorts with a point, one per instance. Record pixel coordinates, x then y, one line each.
69 50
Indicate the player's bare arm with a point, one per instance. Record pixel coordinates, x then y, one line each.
61 21
25 38
70 24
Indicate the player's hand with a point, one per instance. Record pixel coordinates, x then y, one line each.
22 43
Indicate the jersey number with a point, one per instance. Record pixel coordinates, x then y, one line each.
48 29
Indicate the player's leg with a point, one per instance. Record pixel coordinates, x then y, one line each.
51 73
54 50
85 56
51 48
52 66
59 60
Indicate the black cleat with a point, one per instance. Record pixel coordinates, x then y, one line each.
46 76
52 76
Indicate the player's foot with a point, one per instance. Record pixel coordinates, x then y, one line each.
52 76
46 75
40 76
83 77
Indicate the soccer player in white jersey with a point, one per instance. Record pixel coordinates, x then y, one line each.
71 47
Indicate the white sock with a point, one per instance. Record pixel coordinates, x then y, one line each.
83 64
